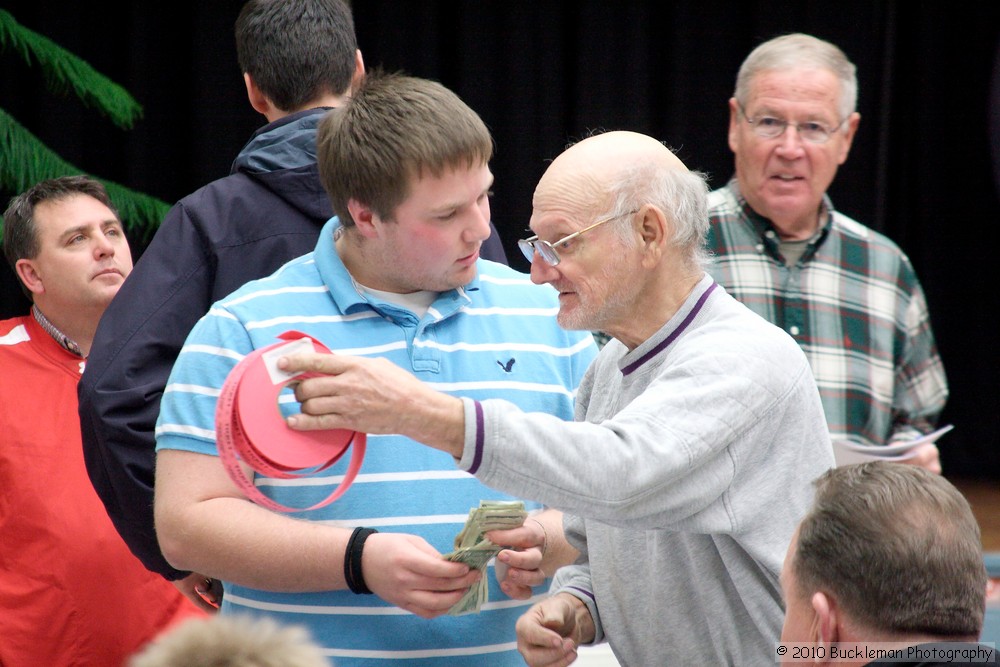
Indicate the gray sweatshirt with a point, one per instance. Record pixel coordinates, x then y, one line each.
683 479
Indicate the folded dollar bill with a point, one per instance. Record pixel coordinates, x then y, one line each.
474 549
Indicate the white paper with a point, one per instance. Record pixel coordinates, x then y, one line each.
270 359
846 452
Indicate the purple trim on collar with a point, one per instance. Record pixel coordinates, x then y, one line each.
480 437
674 334
586 593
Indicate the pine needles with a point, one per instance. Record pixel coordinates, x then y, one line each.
25 159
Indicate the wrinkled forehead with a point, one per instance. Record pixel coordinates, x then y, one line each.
569 198
75 211
812 85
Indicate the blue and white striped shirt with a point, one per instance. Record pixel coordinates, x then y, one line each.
494 338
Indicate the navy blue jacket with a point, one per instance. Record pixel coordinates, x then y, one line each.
245 226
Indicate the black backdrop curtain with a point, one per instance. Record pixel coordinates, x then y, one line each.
545 73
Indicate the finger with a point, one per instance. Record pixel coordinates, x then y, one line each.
530 534
541 647
927 456
313 362
545 624
304 422
547 657
557 617
539 637
203 604
207 595
516 591
530 559
446 585
327 403
215 592
525 577
441 575
520 537
430 604
434 566
516 579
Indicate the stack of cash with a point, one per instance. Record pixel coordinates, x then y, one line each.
473 549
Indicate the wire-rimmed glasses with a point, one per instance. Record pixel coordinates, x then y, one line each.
769 127
547 251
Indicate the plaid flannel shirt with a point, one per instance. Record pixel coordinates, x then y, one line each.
854 305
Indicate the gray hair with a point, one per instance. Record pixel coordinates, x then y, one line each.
898 547
681 195
796 51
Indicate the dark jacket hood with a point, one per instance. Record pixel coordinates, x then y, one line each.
280 153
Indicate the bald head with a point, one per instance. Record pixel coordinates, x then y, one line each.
598 162
628 221
610 152
613 173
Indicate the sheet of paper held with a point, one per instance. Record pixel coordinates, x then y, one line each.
846 453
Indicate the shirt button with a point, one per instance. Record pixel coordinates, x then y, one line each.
793 330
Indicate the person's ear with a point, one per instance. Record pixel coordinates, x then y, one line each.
359 71
734 124
654 230
364 218
29 276
852 127
827 621
258 100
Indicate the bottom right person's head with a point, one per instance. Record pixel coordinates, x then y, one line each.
887 553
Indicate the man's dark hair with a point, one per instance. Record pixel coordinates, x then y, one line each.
898 547
297 50
20 234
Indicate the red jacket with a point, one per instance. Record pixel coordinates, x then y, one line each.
71 593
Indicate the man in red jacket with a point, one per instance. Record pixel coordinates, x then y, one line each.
71 593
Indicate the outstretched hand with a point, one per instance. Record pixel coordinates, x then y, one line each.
373 396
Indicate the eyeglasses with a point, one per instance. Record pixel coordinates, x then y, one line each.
547 251
768 127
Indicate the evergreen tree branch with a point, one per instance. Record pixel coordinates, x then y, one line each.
64 71
26 161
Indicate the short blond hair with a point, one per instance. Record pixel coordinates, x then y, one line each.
231 641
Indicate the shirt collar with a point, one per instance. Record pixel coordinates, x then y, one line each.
65 341
764 225
350 296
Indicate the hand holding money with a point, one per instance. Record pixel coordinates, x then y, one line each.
474 549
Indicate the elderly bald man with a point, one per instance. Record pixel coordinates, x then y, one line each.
699 426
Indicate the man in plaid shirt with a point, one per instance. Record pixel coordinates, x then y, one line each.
847 294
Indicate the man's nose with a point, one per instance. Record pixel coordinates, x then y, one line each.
103 247
791 142
541 271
